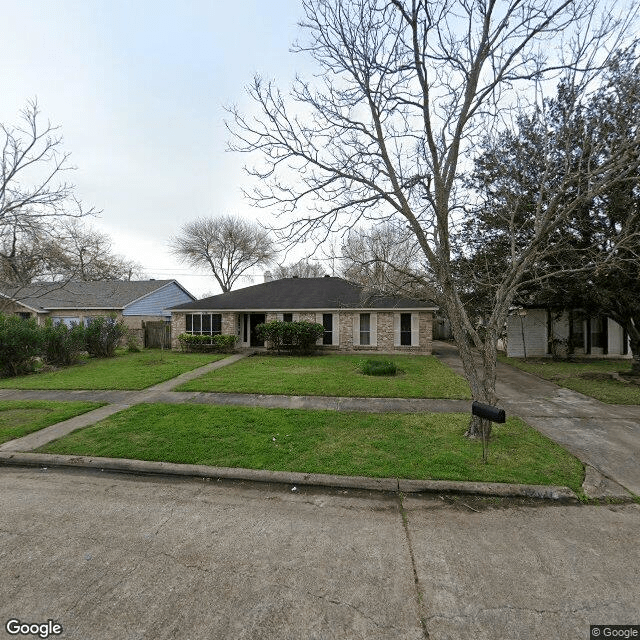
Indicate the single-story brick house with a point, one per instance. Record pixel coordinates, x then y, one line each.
532 330
353 320
133 302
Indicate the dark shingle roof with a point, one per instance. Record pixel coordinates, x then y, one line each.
110 294
303 293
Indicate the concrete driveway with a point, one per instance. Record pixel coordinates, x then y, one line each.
604 436
123 557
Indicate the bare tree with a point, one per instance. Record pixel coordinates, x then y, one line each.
388 258
62 251
34 197
84 253
300 269
25 251
407 89
228 245
32 165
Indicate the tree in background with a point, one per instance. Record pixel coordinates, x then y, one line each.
406 92
34 196
228 245
591 261
301 269
386 258
84 253
66 250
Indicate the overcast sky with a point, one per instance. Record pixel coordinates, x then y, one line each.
138 88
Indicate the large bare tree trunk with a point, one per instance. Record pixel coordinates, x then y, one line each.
479 358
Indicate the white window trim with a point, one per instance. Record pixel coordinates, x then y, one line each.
295 317
335 325
415 330
373 329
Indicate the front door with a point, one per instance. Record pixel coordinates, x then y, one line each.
254 320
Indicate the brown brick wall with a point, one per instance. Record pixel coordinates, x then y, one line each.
385 336
178 326
229 324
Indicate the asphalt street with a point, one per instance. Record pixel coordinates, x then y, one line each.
123 557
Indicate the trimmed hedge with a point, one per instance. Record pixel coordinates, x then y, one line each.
292 337
199 344
378 368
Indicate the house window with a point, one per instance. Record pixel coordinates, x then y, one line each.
287 317
327 323
23 315
577 332
365 328
206 324
68 321
597 333
405 329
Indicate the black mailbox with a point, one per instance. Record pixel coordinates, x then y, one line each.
488 412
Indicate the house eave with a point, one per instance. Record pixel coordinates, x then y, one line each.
304 310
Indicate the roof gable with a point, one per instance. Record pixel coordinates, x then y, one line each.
303 293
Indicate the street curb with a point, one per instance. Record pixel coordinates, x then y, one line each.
143 467
497 489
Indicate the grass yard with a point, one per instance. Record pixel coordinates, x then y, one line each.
20 417
128 371
334 375
586 376
422 446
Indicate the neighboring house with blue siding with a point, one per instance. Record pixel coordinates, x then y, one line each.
134 302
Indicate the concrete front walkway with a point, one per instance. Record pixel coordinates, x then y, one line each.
604 436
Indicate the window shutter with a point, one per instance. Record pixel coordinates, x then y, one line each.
296 317
280 317
374 329
415 330
356 329
336 329
396 329
319 321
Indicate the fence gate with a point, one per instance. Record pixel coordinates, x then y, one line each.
157 335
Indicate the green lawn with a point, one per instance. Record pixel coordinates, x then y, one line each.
20 417
334 375
125 371
422 446
583 376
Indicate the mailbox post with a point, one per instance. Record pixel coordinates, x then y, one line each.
487 412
